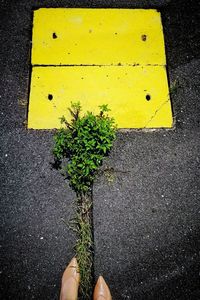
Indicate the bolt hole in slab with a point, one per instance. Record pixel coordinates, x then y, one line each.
144 37
54 35
50 97
148 97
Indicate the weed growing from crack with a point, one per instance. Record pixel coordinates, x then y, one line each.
174 87
84 141
84 245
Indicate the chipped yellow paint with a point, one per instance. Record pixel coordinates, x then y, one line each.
65 36
138 96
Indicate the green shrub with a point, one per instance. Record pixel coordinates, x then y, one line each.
84 141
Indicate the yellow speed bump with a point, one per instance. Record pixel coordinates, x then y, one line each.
97 37
99 56
138 96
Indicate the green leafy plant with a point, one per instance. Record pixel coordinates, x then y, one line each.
84 142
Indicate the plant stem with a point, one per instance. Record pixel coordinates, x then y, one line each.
84 245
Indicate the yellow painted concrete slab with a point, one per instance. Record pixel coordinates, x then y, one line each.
138 96
65 36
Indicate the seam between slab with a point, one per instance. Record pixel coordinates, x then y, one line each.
96 65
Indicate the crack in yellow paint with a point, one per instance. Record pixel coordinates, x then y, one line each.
156 113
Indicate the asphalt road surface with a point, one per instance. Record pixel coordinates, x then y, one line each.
146 197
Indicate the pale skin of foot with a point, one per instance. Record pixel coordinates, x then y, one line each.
101 291
71 280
